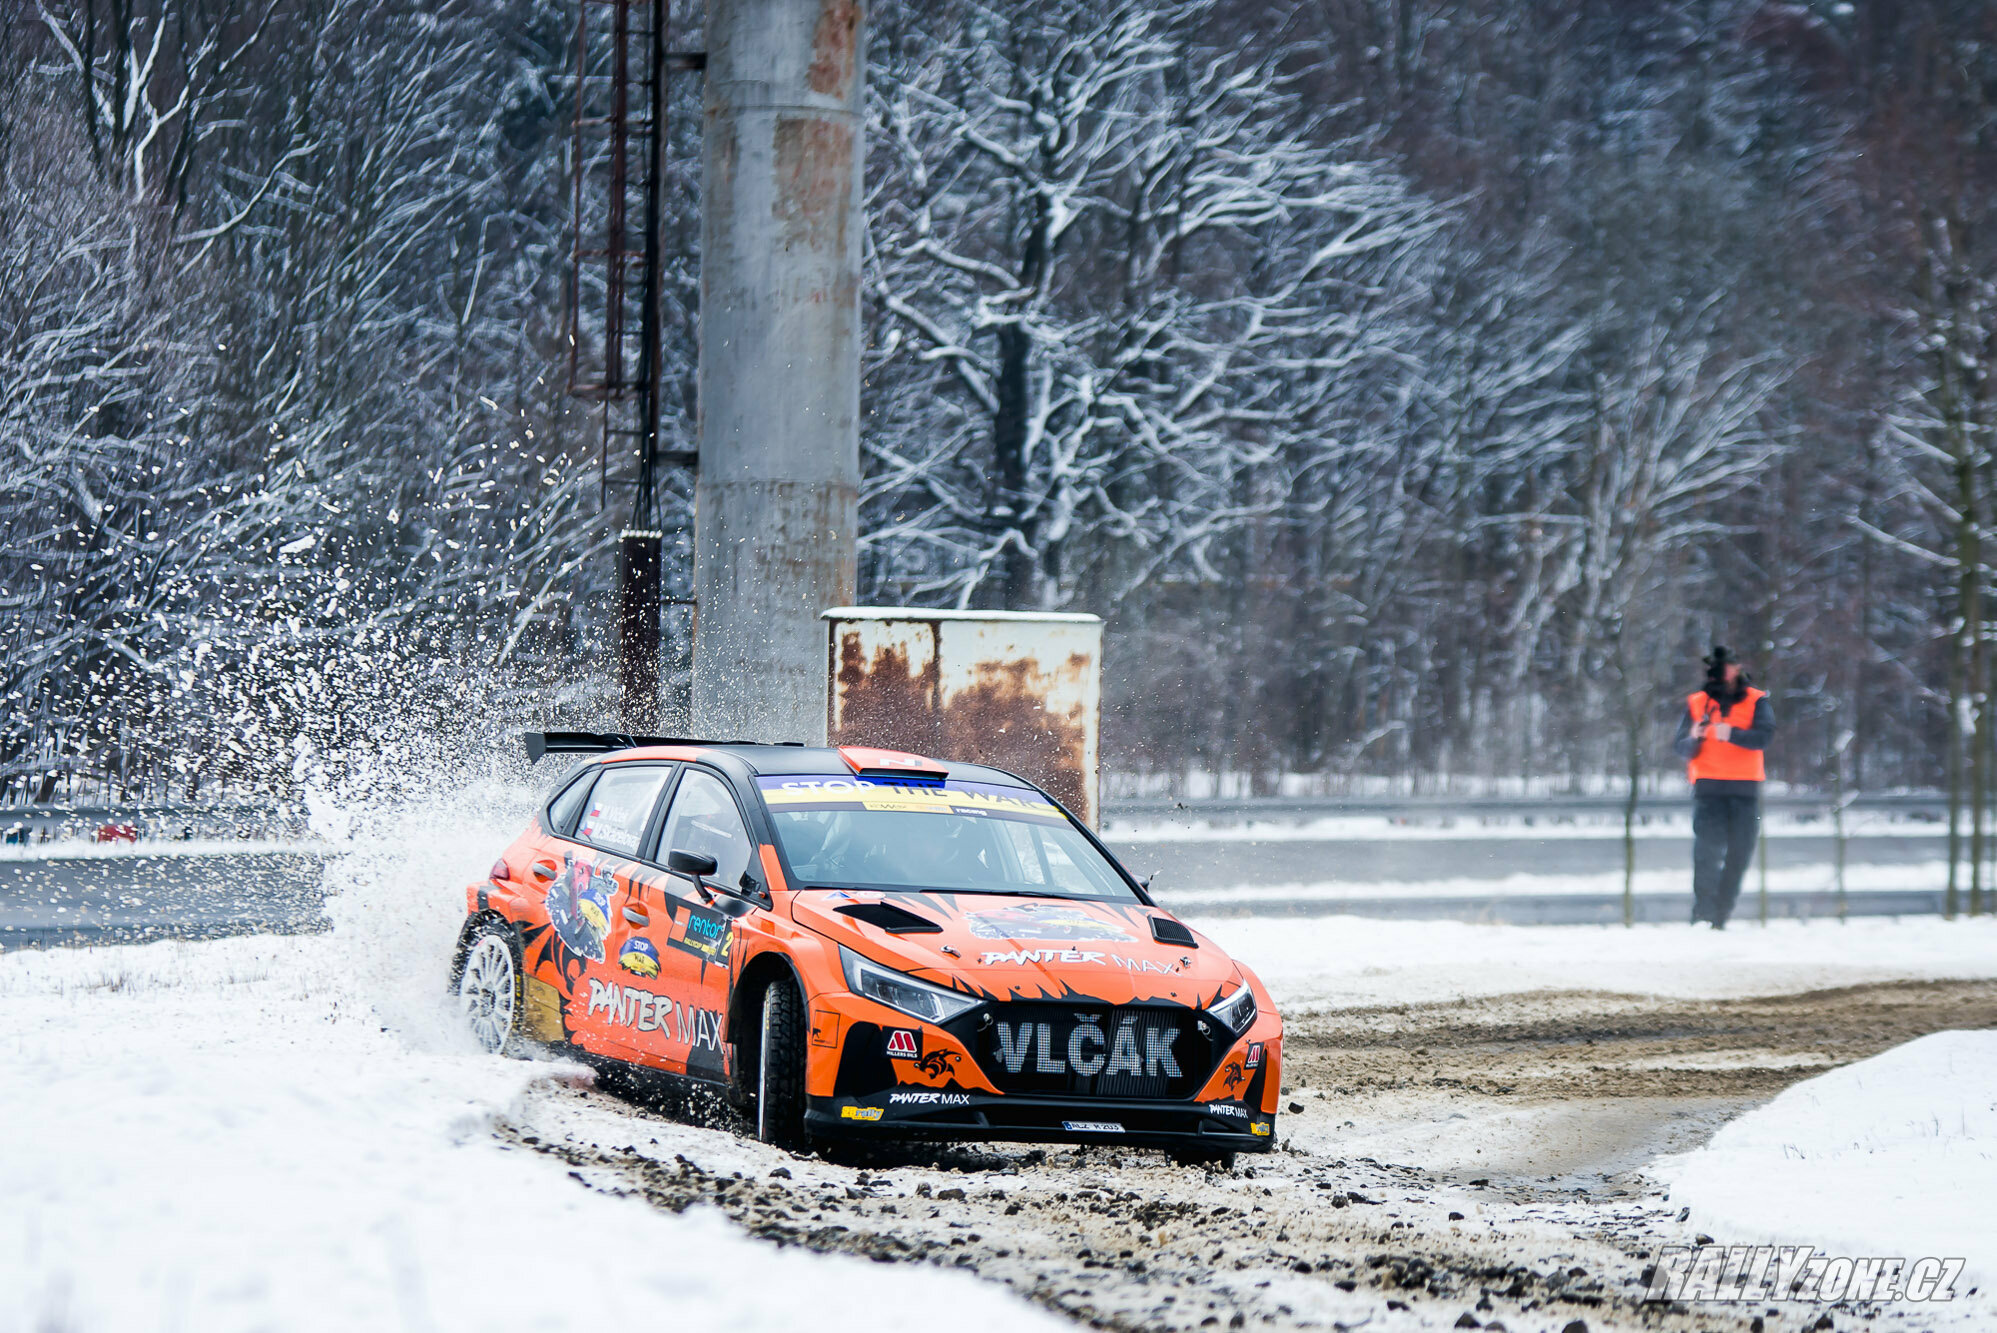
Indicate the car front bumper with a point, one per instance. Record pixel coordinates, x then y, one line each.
918 1114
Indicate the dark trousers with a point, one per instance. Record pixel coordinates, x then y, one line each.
1725 826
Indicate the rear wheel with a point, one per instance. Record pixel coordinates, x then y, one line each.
780 1068
1204 1157
489 989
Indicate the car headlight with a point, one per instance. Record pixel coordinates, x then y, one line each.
1237 1011
919 999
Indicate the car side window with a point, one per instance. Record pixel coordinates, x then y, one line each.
620 806
704 819
567 808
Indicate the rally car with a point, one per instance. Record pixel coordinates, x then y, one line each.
855 943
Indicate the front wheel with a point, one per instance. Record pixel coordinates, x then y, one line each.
489 990
780 1068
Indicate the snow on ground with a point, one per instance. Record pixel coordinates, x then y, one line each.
1920 877
225 1136
1343 961
292 1133
1896 1155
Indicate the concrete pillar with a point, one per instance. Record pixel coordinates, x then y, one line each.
776 504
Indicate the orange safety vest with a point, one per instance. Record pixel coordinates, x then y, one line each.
1723 759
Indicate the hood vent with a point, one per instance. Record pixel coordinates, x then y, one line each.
894 920
1167 931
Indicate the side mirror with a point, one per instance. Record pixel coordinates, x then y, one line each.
696 866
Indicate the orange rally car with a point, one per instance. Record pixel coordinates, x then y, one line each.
863 943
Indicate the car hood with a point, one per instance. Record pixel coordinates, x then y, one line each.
1008 947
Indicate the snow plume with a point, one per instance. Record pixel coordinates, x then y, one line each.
413 816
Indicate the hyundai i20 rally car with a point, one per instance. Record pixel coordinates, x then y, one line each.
855 943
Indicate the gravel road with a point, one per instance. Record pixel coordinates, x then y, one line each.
1439 1165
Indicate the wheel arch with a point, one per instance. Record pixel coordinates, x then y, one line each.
745 1010
473 922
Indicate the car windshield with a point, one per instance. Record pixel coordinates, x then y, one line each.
957 837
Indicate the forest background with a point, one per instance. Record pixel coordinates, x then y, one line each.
1418 387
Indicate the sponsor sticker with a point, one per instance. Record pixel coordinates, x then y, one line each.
1134 1048
646 1011
1228 1109
903 1044
1042 921
938 1064
1085 957
1092 1126
1260 1127
955 798
639 956
1254 1060
704 934
579 908
859 1113
929 1098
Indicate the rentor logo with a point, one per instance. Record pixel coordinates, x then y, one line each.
903 1044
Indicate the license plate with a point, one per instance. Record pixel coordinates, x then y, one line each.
1092 1126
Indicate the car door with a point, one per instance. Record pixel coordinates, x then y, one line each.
613 1002
696 939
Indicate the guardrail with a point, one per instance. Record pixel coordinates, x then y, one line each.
1905 805
155 822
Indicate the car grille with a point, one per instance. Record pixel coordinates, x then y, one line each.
1127 1052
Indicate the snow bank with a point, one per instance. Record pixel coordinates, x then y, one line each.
1343 961
1896 1155
227 1136
1918 877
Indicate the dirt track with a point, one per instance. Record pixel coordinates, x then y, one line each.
1479 1159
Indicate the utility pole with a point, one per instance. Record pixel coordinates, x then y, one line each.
639 575
776 502
618 165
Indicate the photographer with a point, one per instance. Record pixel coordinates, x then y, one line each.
1725 728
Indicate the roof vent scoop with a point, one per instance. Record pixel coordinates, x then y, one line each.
894 920
895 767
1165 930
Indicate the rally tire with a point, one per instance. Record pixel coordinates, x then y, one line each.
780 1067
489 990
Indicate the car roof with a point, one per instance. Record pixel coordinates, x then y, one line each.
806 761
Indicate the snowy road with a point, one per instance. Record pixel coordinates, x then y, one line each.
1490 1160
284 1133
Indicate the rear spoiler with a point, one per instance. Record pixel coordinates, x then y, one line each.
591 742
602 742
